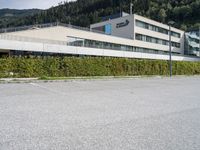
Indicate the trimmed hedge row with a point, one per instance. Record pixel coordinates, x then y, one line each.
91 66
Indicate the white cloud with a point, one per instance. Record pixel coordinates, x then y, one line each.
27 4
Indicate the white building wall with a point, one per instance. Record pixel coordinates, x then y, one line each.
156 23
60 33
125 32
55 48
14 40
130 31
160 35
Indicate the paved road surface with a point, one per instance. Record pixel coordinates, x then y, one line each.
120 114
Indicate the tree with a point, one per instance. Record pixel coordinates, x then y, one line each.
162 15
85 12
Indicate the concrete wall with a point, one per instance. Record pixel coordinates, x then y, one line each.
160 35
125 31
130 31
54 48
60 33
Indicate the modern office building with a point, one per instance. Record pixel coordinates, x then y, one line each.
192 43
147 35
130 36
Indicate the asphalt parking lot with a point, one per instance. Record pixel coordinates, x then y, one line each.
118 114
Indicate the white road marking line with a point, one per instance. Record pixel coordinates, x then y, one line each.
48 89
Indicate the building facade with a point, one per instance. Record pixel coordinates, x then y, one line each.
130 36
145 33
192 43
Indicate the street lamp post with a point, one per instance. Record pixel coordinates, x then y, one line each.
170 47
199 41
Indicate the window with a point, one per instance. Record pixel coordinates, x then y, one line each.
178 35
138 37
160 41
156 28
140 24
74 41
155 40
148 39
164 42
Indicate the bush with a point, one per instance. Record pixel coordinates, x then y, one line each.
91 66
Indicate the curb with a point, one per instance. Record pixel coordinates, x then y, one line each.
74 79
70 79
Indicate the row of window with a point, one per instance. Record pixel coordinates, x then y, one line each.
155 40
193 48
194 40
73 41
192 43
156 28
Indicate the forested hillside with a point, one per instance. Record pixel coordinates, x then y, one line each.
186 13
17 13
13 15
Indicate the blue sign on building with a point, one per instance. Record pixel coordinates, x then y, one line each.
108 29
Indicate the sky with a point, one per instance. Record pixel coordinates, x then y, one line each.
27 4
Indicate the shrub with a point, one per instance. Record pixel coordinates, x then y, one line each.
91 66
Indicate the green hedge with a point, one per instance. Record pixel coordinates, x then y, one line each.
91 66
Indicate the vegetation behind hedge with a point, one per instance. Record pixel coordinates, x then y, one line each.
91 66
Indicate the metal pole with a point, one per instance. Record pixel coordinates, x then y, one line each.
199 41
131 8
170 51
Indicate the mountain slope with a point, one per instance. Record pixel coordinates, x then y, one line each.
11 17
17 13
186 13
